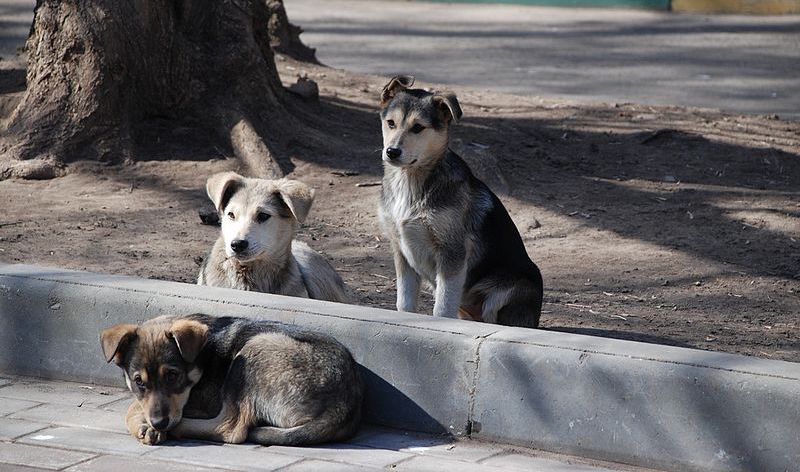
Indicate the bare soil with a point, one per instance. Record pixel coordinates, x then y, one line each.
657 224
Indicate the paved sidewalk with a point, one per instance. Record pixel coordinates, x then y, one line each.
744 64
46 425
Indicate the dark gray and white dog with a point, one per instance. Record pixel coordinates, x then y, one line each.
232 380
446 227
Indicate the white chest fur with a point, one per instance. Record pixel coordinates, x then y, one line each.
405 220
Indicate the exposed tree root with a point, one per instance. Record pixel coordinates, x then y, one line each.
102 72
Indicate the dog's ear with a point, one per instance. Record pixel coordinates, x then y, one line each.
115 341
448 107
221 187
397 84
190 336
298 197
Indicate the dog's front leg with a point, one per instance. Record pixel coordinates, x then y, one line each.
140 428
408 283
449 290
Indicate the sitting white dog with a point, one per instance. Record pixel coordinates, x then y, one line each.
256 250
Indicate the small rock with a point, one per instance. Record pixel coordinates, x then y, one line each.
305 88
55 306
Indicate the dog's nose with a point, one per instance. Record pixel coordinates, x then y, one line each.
160 423
239 245
393 152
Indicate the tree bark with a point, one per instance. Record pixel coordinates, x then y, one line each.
112 80
285 37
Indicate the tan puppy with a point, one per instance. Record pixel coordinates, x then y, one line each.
256 250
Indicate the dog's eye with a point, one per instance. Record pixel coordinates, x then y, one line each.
171 377
137 379
390 124
417 128
262 217
231 215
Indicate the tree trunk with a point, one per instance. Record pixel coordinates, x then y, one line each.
113 81
284 37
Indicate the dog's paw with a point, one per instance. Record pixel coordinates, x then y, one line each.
150 436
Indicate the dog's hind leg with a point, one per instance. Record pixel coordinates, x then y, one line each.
496 299
326 428
205 429
523 309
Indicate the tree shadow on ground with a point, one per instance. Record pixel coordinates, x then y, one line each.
661 186
641 173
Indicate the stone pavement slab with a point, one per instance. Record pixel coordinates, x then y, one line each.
120 405
10 405
43 457
322 466
21 468
81 417
348 453
404 441
58 435
12 429
523 462
234 456
61 393
437 464
88 440
107 463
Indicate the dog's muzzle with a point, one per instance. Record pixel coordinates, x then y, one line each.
239 246
393 153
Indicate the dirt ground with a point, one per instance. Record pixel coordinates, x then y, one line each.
657 224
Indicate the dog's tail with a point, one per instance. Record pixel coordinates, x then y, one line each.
319 430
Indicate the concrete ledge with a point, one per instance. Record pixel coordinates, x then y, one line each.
654 406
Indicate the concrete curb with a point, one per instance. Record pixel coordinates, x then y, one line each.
648 405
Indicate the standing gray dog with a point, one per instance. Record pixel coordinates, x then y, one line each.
446 227
256 250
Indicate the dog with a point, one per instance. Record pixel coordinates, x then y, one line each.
256 250
232 380
446 227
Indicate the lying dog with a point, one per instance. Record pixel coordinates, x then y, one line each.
446 227
234 380
256 250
